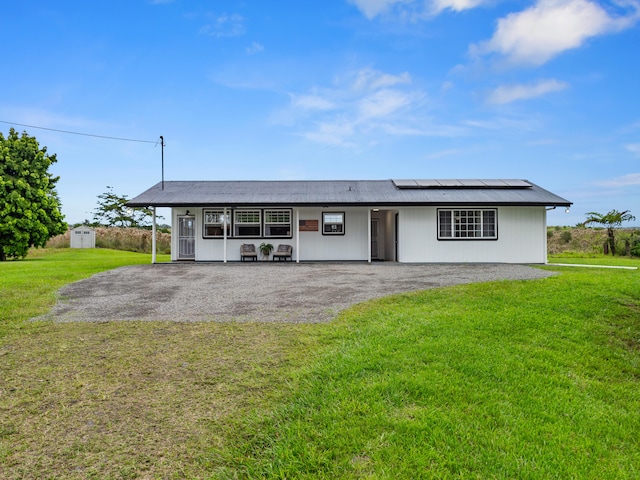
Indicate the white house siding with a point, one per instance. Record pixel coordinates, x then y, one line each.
521 238
353 245
314 246
212 249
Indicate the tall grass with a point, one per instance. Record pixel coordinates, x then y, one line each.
128 239
591 240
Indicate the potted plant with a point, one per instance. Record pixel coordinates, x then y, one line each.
265 249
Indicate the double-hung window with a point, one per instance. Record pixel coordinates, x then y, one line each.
479 224
247 223
277 223
214 223
333 223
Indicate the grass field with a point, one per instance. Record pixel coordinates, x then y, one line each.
527 379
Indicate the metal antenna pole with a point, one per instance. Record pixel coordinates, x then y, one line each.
162 145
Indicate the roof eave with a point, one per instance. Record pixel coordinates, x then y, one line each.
347 204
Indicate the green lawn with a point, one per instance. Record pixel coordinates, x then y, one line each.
594 259
28 286
533 379
528 379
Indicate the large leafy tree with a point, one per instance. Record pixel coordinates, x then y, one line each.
29 205
113 211
611 221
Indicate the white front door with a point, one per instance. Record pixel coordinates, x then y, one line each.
186 238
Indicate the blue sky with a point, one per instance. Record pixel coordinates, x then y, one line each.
542 90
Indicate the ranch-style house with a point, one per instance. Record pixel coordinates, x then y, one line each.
431 221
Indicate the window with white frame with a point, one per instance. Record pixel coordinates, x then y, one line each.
277 223
247 223
467 224
333 223
214 223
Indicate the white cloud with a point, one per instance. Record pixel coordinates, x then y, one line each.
311 102
332 133
413 9
369 79
373 8
382 103
455 5
629 180
225 26
359 106
511 93
255 48
536 35
633 148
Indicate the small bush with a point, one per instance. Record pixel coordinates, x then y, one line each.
565 236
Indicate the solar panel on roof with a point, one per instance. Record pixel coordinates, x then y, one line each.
471 183
508 183
493 183
405 183
428 183
517 183
433 183
450 183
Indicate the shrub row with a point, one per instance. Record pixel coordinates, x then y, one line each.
592 240
559 240
129 239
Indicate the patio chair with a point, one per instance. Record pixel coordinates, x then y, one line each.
248 250
282 253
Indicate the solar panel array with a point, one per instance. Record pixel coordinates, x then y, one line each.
460 183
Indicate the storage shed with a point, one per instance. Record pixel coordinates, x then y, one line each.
83 237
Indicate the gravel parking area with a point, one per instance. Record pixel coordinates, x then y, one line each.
257 292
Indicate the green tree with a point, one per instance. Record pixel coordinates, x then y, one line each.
29 205
611 221
113 211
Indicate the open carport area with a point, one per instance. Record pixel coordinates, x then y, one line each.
258 292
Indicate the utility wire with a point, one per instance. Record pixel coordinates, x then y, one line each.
83 134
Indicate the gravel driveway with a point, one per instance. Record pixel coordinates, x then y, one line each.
260 292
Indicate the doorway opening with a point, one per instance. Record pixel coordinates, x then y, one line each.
384 235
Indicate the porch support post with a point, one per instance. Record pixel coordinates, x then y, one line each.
153 235
544 235
369 235
224 233
297 227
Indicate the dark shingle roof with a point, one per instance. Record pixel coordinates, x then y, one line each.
347 193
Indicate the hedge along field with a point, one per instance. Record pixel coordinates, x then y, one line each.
117 238
591 240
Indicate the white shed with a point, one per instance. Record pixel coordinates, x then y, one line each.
83 237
